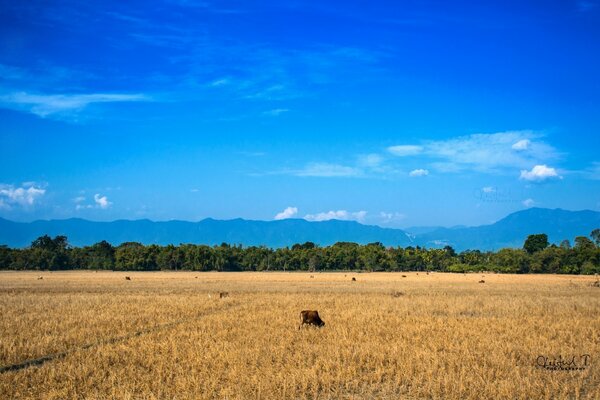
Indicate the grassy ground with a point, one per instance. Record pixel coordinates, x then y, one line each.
386 335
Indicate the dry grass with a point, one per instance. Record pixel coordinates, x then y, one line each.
422 336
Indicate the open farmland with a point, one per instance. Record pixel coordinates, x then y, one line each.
387 335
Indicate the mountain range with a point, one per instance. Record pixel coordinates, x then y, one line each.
510 231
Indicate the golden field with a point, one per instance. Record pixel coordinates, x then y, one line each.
168 335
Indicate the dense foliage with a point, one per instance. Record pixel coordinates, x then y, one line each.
537 256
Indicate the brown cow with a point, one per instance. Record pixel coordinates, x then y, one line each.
311 317
127 278
222 295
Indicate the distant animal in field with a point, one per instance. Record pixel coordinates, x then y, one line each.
404 276
310 317
482 281
353 279
312 276
127 278
596 284
40 277
223 295
397 294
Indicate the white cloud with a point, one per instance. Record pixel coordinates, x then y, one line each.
339 214
24 196
79 199
44 105
328 170
488 189
370 160
593 171
490 151
539 173
405 150
276 112
220 82
390 217
528 202
500 152
483 152
289 212
102 201
522 144
418 172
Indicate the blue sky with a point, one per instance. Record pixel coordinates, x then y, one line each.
389 113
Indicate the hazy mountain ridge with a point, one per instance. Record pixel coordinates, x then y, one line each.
510 231
208 231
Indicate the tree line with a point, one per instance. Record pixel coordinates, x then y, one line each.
536 256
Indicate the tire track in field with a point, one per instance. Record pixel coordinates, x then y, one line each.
50 357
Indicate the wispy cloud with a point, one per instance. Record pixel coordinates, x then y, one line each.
482 152
43 77
264 73
327 170
405 150
522 144
252 153
45 105
391 217
220 82
501 152
289 212
584 6
370 160
593 171
338 214
276 112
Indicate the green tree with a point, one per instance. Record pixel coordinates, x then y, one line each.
101 256
565 244
511 261
5 257
596 236
583 243
48 253
535 243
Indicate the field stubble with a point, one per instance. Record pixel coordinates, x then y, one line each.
386 336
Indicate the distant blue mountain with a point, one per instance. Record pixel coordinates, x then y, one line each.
508 232
512 230
209 231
